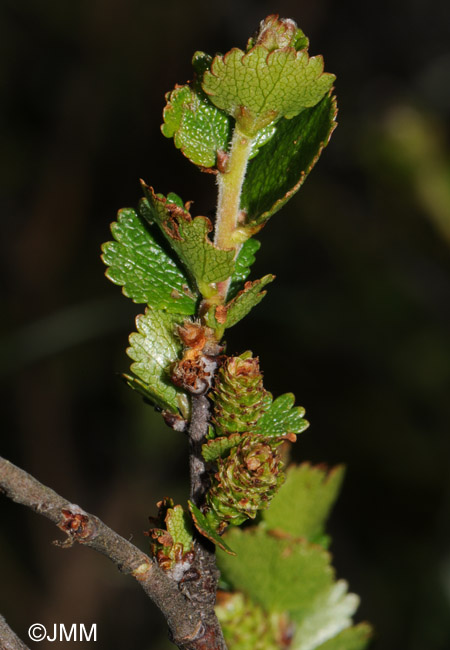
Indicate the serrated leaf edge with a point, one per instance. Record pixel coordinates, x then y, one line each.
278 204
206 531
297 54
182 213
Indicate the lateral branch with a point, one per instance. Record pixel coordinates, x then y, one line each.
184 617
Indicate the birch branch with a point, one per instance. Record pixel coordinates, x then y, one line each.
204 589
184 618
8 639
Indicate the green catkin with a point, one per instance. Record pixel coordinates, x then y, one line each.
239 396
245 481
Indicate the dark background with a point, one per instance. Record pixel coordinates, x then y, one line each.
356 324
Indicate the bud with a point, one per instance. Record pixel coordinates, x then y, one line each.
245 481
195 371
239 396
172 543
276 33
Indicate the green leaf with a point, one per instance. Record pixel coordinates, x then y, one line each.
353 638
245 300
261 138
178 525
246 626
177 422
303 503
201 62
153 348
189 239
282 417
329 614
259 86
144 270
278 574
139 386
243 263
283 574
204 528
219 447
282 165
242 303
198 128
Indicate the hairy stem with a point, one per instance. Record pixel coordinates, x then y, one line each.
184 617
229 198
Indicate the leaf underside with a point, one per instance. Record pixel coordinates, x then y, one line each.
329 614
153 348
279 568
265 566
283 153
268 85
353 638
302 506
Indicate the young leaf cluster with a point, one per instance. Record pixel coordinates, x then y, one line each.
172 540
274 101
258 119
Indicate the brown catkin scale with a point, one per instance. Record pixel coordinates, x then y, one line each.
195 371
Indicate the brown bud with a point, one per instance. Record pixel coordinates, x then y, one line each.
193 335
275 33
174 421
221 314
222 161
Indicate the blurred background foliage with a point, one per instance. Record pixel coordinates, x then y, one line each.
356 324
